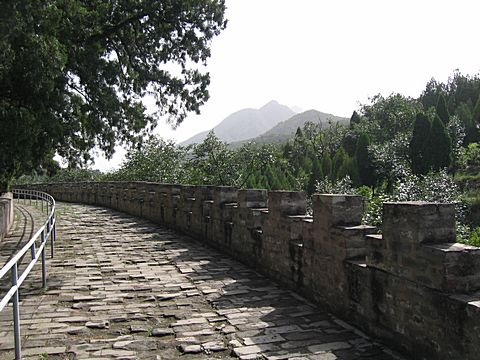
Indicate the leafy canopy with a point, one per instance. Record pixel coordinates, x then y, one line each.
73 73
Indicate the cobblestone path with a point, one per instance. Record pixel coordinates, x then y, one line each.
27 220
121 287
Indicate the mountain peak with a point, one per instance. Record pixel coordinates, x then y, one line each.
270 104
247 123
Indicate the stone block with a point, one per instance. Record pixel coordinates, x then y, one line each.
6 214
418 222
225 194
252 198
286 203
337 210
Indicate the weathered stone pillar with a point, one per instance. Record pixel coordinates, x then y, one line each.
337 236
418 243
200 223
224 202
247 236
170 204
280 244
6 214
185 208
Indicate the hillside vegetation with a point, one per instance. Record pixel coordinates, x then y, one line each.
394 148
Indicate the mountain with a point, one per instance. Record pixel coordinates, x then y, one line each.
247 123
286 129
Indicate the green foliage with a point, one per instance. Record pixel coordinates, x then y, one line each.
390 160
471 157
157 161
442 110
476 112
340 186
365 167
385 118
460 93
316 175
327 166
433 187
73 74
439 145
457 133
76 175
355 119
349 142
211 162
373 211
429 97
340 164
471 238
465 113
419 146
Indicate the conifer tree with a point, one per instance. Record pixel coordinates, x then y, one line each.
353 171
355 119
315 176
465 112
476 113
343 169
418 145
365 167
442 109
340 158
327 166
439 146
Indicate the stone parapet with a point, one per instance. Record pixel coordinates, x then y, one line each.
412 286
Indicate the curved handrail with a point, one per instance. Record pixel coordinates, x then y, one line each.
46 231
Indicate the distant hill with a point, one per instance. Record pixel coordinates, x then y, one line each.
247 123
286 129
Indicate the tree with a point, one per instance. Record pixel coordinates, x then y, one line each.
355 119
476 113
438 146
73 74
158 160
366 171
340 164
456 130
385 118
429 97
315 176
418 145
327 166
464 113
442 109
211 162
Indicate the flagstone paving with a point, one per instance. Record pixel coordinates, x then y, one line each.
120 287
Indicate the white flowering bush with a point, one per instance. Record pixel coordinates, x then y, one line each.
342 186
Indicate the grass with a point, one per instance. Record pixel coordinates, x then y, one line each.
463 177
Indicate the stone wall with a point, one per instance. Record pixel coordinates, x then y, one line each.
413 287
6 214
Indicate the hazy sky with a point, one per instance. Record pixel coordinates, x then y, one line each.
330 55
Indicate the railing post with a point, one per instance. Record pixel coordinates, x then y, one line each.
53 236
44 271
16 314
33 251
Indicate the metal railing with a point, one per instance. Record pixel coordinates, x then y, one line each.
45 232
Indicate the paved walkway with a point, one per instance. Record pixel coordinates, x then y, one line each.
121 287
